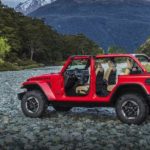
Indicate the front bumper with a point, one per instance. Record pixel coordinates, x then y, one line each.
20 95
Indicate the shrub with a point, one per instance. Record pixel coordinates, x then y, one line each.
4 47
25 62
6 66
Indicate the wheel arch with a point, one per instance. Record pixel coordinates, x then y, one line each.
129 88
44 88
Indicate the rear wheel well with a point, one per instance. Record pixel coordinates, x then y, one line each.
125 89
35 87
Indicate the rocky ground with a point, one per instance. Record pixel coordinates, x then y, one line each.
81 128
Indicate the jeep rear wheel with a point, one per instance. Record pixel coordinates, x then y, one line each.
33 104
132 109
62 108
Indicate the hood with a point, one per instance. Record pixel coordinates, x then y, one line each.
42 77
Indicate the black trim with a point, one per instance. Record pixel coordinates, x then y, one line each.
20 95
127 86
80 104
148 97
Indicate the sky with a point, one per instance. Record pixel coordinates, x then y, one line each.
11 3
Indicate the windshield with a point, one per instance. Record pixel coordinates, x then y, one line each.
144 61
80 64
142 58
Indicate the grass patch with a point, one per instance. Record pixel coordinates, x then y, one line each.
6 66
19 65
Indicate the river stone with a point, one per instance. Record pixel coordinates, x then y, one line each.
81 128
5 120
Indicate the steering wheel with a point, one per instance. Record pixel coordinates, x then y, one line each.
80 76
76 71
70 78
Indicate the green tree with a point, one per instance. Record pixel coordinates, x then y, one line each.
116 50
4 47
80 45
31 39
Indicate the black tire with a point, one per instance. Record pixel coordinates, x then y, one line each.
62 108
40 101
132 109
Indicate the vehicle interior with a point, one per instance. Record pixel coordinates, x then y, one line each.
111 68
105 78
107 70
77 78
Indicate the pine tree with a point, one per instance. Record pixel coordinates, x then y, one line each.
116 50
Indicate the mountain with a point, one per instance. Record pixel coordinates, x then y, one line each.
125 23
32 5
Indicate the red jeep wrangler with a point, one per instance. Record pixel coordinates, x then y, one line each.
118 80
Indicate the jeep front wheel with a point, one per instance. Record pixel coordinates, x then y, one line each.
132 109
33 104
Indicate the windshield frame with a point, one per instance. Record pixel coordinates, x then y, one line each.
71 58
144 64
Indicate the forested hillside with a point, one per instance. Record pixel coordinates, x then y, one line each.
29 40
145 47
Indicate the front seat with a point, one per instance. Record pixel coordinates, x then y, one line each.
129 67
110 76
82 89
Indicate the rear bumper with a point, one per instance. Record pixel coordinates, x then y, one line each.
20 95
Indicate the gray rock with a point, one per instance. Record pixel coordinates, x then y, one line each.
5 120
28 147
82 128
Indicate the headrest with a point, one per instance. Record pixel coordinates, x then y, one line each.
129 64
111 64
99 68
98 64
